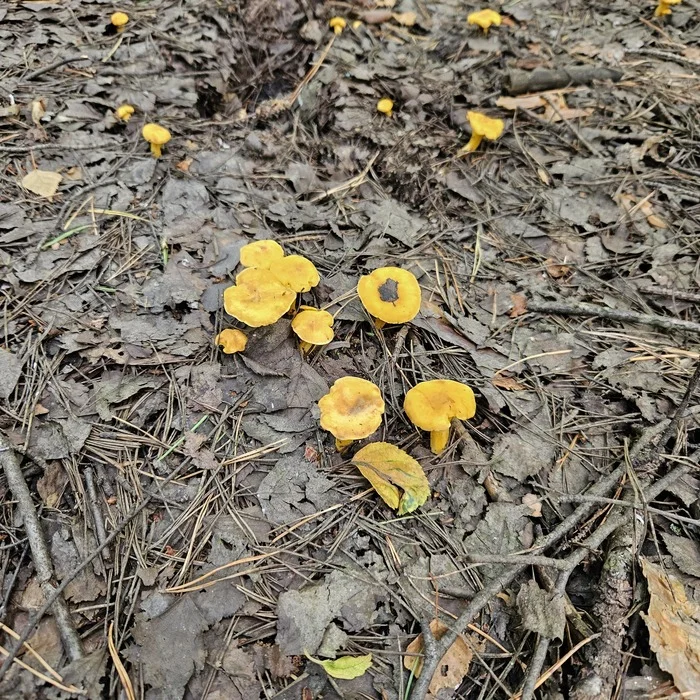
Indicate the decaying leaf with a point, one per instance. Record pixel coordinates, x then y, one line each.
453 666
408 19
42 182
507 383
345 667
519 305
523 102
387 467
674 630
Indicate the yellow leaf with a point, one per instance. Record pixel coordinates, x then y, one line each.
345 667
42 182
387 467
674 630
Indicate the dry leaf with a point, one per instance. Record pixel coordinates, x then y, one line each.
524 102
534 504
376 16
453 666
407 19
345 667
184 165
42 182
555 269
674 628
38 110
9 111
519 305
507 383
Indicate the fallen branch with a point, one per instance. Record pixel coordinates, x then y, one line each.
579 309
541 79
39 549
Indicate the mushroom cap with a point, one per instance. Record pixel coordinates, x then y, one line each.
485 126
337 24
390 294
257 298
119 19
261 254
313 326
295 272
156 134
231 340
433 404
484 18
352 409
124 112
385 105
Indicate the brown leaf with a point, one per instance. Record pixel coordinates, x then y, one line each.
524 102
453 666
556 270
38 110
674 630
519 305
376 16
507 383
42 182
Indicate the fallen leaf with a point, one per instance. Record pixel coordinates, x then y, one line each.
453 666
184 165
407 19
38 110
376 16
556 270
674 630
345 667
507 383
42 182
385 466
534 504
519 305
524 102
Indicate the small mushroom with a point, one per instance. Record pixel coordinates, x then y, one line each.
482 127
433 404
231 340
124 112
385 106
261 254
485 19
313 326
119 20
664 7
295 272
157 136
390 294
351 410
257 299
337 24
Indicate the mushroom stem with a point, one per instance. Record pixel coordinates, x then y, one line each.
305 347
155 150
342 445
473 144
439 440
379 324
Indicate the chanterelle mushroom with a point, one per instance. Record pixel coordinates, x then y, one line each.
351 410
337 24
261 254
390 294
485 19
433 404
313 326
231 340
157 136
119 20
385 106
664 7
296 272
257 298
482 127
124 112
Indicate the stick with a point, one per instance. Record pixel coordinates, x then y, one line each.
671 293
58 64
40 551
579 309
540 79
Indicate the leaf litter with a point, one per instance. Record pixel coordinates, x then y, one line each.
112 266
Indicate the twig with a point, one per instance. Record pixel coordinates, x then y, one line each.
53 66
580 309
40 551
671 293
94 505
540 79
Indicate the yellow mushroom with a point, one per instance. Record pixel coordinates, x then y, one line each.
257 299
485 19
482 127
313 326
337 24
351 410
261 254
664 7
231 340
119 20
124 112
390 294
385 106
433 404
295 272
157 136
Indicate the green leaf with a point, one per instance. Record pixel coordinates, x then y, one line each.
346 667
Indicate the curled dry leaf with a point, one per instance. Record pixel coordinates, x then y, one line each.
453 666
674 630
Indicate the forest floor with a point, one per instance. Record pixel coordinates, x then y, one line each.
560 275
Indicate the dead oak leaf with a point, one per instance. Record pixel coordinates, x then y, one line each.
453 666
519 305
674 627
